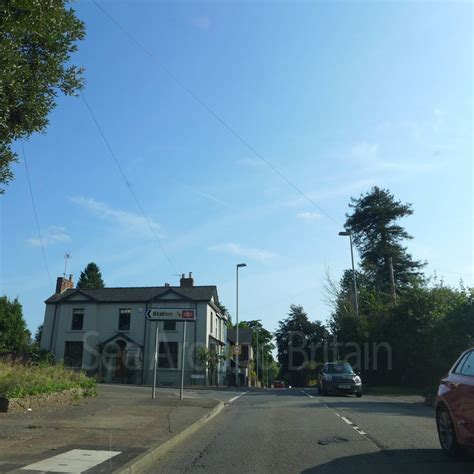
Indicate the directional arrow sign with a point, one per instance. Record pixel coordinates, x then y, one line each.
170 314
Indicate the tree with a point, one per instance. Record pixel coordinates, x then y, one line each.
37 38
378 237
261 338
225 312
210 359
39 334
14 335
91 277
299 341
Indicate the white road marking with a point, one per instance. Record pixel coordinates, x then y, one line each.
349 422
238 396
305 393
76 460
361 432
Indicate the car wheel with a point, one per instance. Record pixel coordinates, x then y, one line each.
447 433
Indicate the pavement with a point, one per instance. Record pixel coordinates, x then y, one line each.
297 430
123 420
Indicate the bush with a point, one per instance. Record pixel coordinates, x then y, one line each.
20 380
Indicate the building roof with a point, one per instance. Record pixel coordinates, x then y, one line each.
139 294
245 336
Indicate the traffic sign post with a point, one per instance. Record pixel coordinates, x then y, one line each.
155 364
170 314
237 349
181 392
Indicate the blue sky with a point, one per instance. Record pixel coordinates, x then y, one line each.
338 96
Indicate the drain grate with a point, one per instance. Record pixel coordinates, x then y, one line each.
332 440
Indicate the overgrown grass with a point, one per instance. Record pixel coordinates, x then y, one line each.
18 380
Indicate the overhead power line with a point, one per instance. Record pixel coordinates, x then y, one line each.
215 115
40 237
128 184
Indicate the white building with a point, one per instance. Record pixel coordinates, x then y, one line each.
105 331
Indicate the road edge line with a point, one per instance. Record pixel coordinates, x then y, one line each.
152 455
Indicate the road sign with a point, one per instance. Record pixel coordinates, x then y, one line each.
170 314
236 350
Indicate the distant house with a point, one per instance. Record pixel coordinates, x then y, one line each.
105 331
246 357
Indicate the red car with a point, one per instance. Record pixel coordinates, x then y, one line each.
278 384
455 406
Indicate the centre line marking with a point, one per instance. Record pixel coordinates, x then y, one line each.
350 423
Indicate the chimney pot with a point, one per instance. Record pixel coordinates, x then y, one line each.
63 284
186 282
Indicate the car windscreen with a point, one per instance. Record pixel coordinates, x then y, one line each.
339 369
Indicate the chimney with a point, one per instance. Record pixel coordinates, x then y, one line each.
63 284
186 282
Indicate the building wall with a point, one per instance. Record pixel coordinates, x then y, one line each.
101 322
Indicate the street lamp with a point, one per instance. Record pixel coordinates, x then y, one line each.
356 300
239 265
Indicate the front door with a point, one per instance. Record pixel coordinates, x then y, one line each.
120 359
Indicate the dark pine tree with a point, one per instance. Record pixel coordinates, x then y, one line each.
91 277
378 237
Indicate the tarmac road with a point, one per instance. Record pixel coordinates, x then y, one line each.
290 430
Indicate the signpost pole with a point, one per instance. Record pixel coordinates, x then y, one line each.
181 395
155 364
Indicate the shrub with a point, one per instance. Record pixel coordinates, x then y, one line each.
20 380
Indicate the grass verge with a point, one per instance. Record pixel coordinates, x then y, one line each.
18 380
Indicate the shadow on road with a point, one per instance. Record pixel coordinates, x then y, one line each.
406 461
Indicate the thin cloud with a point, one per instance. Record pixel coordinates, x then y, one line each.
308 216
202 22
364 151
206 195
126 220
366 156
343 190
52 235
246 252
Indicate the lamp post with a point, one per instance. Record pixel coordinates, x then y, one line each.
256 381
356 299
239 265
